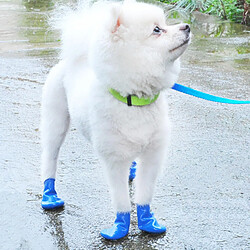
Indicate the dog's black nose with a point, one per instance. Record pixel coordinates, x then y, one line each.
185 27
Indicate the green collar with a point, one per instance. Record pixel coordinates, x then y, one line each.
133 100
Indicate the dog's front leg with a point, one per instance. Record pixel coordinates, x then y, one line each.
117 175
148 169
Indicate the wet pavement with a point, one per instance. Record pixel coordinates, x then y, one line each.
202 195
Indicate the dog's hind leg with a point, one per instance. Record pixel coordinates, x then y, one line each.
132 172
54 126
150 164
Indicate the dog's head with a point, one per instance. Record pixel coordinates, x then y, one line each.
143 25
134 45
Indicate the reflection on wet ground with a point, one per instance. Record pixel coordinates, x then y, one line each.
201 195
55 227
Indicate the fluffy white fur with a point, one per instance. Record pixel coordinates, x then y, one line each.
112 45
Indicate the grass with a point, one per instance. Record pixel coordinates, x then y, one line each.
226 9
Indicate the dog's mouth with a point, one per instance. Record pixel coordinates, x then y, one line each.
185 42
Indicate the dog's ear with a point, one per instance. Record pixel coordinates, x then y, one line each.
115 15
118 24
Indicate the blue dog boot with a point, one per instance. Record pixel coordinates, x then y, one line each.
147 222
50 199
120 228
132 173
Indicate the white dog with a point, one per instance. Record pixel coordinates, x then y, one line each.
117 60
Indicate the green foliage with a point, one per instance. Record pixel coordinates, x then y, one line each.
226 9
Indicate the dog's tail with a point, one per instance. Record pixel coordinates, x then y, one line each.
77 26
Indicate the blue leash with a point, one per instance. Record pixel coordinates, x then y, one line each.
199 94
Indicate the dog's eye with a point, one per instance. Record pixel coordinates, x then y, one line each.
157 31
